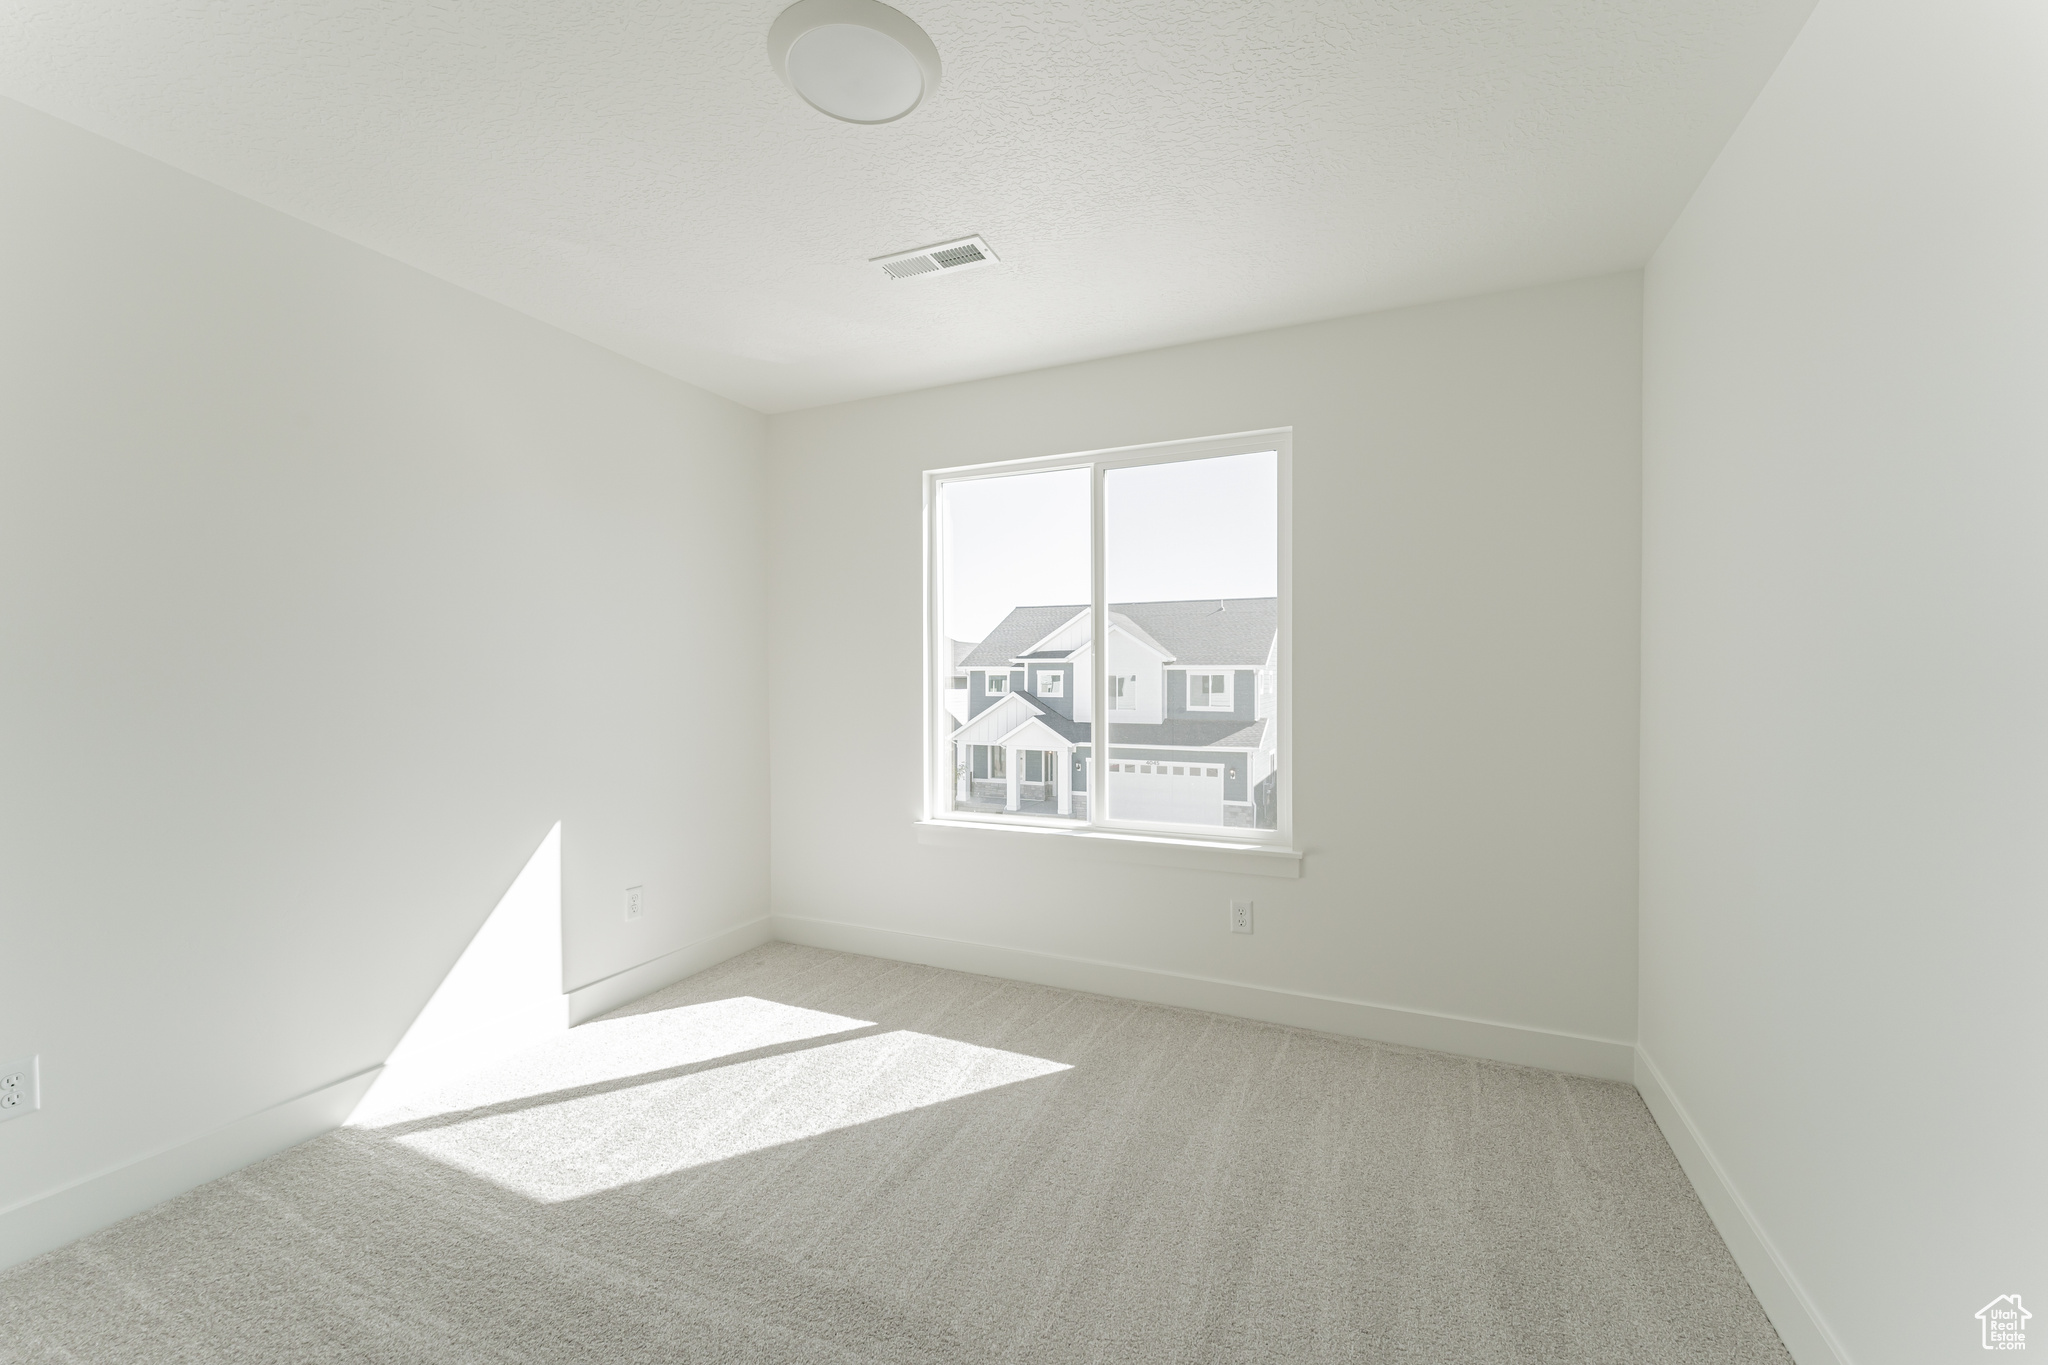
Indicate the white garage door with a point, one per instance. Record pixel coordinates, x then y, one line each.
1179 793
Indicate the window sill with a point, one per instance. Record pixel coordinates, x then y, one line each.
1151 849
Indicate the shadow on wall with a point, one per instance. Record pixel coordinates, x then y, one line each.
490 1079
502 996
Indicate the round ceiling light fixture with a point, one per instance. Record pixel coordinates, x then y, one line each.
857 60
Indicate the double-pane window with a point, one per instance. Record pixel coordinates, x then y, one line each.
1141 593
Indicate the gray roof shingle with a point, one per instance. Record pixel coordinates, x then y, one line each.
1017 632
1187 733
1211 631
1236 630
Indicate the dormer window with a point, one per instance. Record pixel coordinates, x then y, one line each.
1209 692
1051 683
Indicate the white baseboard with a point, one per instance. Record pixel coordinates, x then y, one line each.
1602 1057
45 1222
623 988
1800 1325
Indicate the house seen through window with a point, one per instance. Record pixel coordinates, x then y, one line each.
1186 659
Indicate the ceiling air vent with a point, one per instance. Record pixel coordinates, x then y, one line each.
943 259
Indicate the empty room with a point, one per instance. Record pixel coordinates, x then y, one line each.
560 565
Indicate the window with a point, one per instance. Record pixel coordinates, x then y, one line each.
1157 577
1208 691
957 682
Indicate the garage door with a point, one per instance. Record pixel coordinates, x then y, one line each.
1178 793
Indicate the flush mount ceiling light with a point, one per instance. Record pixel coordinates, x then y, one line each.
857 60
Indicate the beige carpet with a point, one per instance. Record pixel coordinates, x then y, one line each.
809 1156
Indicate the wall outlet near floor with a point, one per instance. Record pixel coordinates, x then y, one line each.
633 899
19 1093
1240 917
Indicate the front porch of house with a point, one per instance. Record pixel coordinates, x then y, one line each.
1015 779
1033 798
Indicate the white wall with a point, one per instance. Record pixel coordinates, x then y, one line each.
1465 509
326 589
1845 738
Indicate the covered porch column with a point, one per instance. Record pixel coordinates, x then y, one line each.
1066 806
1011 761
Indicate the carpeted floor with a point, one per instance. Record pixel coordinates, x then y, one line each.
809 1156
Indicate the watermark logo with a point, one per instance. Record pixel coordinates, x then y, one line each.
2005 1323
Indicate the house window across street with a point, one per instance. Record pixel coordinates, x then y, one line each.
1147 584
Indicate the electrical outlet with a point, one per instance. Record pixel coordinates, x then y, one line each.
19 1093
1240 917
633 902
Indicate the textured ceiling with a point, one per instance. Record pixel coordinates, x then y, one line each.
1151 171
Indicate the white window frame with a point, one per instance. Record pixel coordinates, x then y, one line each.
988 675
1229 677
1275 847
1059 679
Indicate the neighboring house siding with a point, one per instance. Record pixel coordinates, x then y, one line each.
1064 703
1267 797
1243 695
978 699
1236 779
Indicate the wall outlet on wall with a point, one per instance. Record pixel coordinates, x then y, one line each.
633 898
1240 917
19 1092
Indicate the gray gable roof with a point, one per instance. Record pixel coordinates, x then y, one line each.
1236 630
1138 633
1021 629
1072 731
1186 732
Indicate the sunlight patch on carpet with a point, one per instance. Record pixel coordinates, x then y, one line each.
617 1049
590 1143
